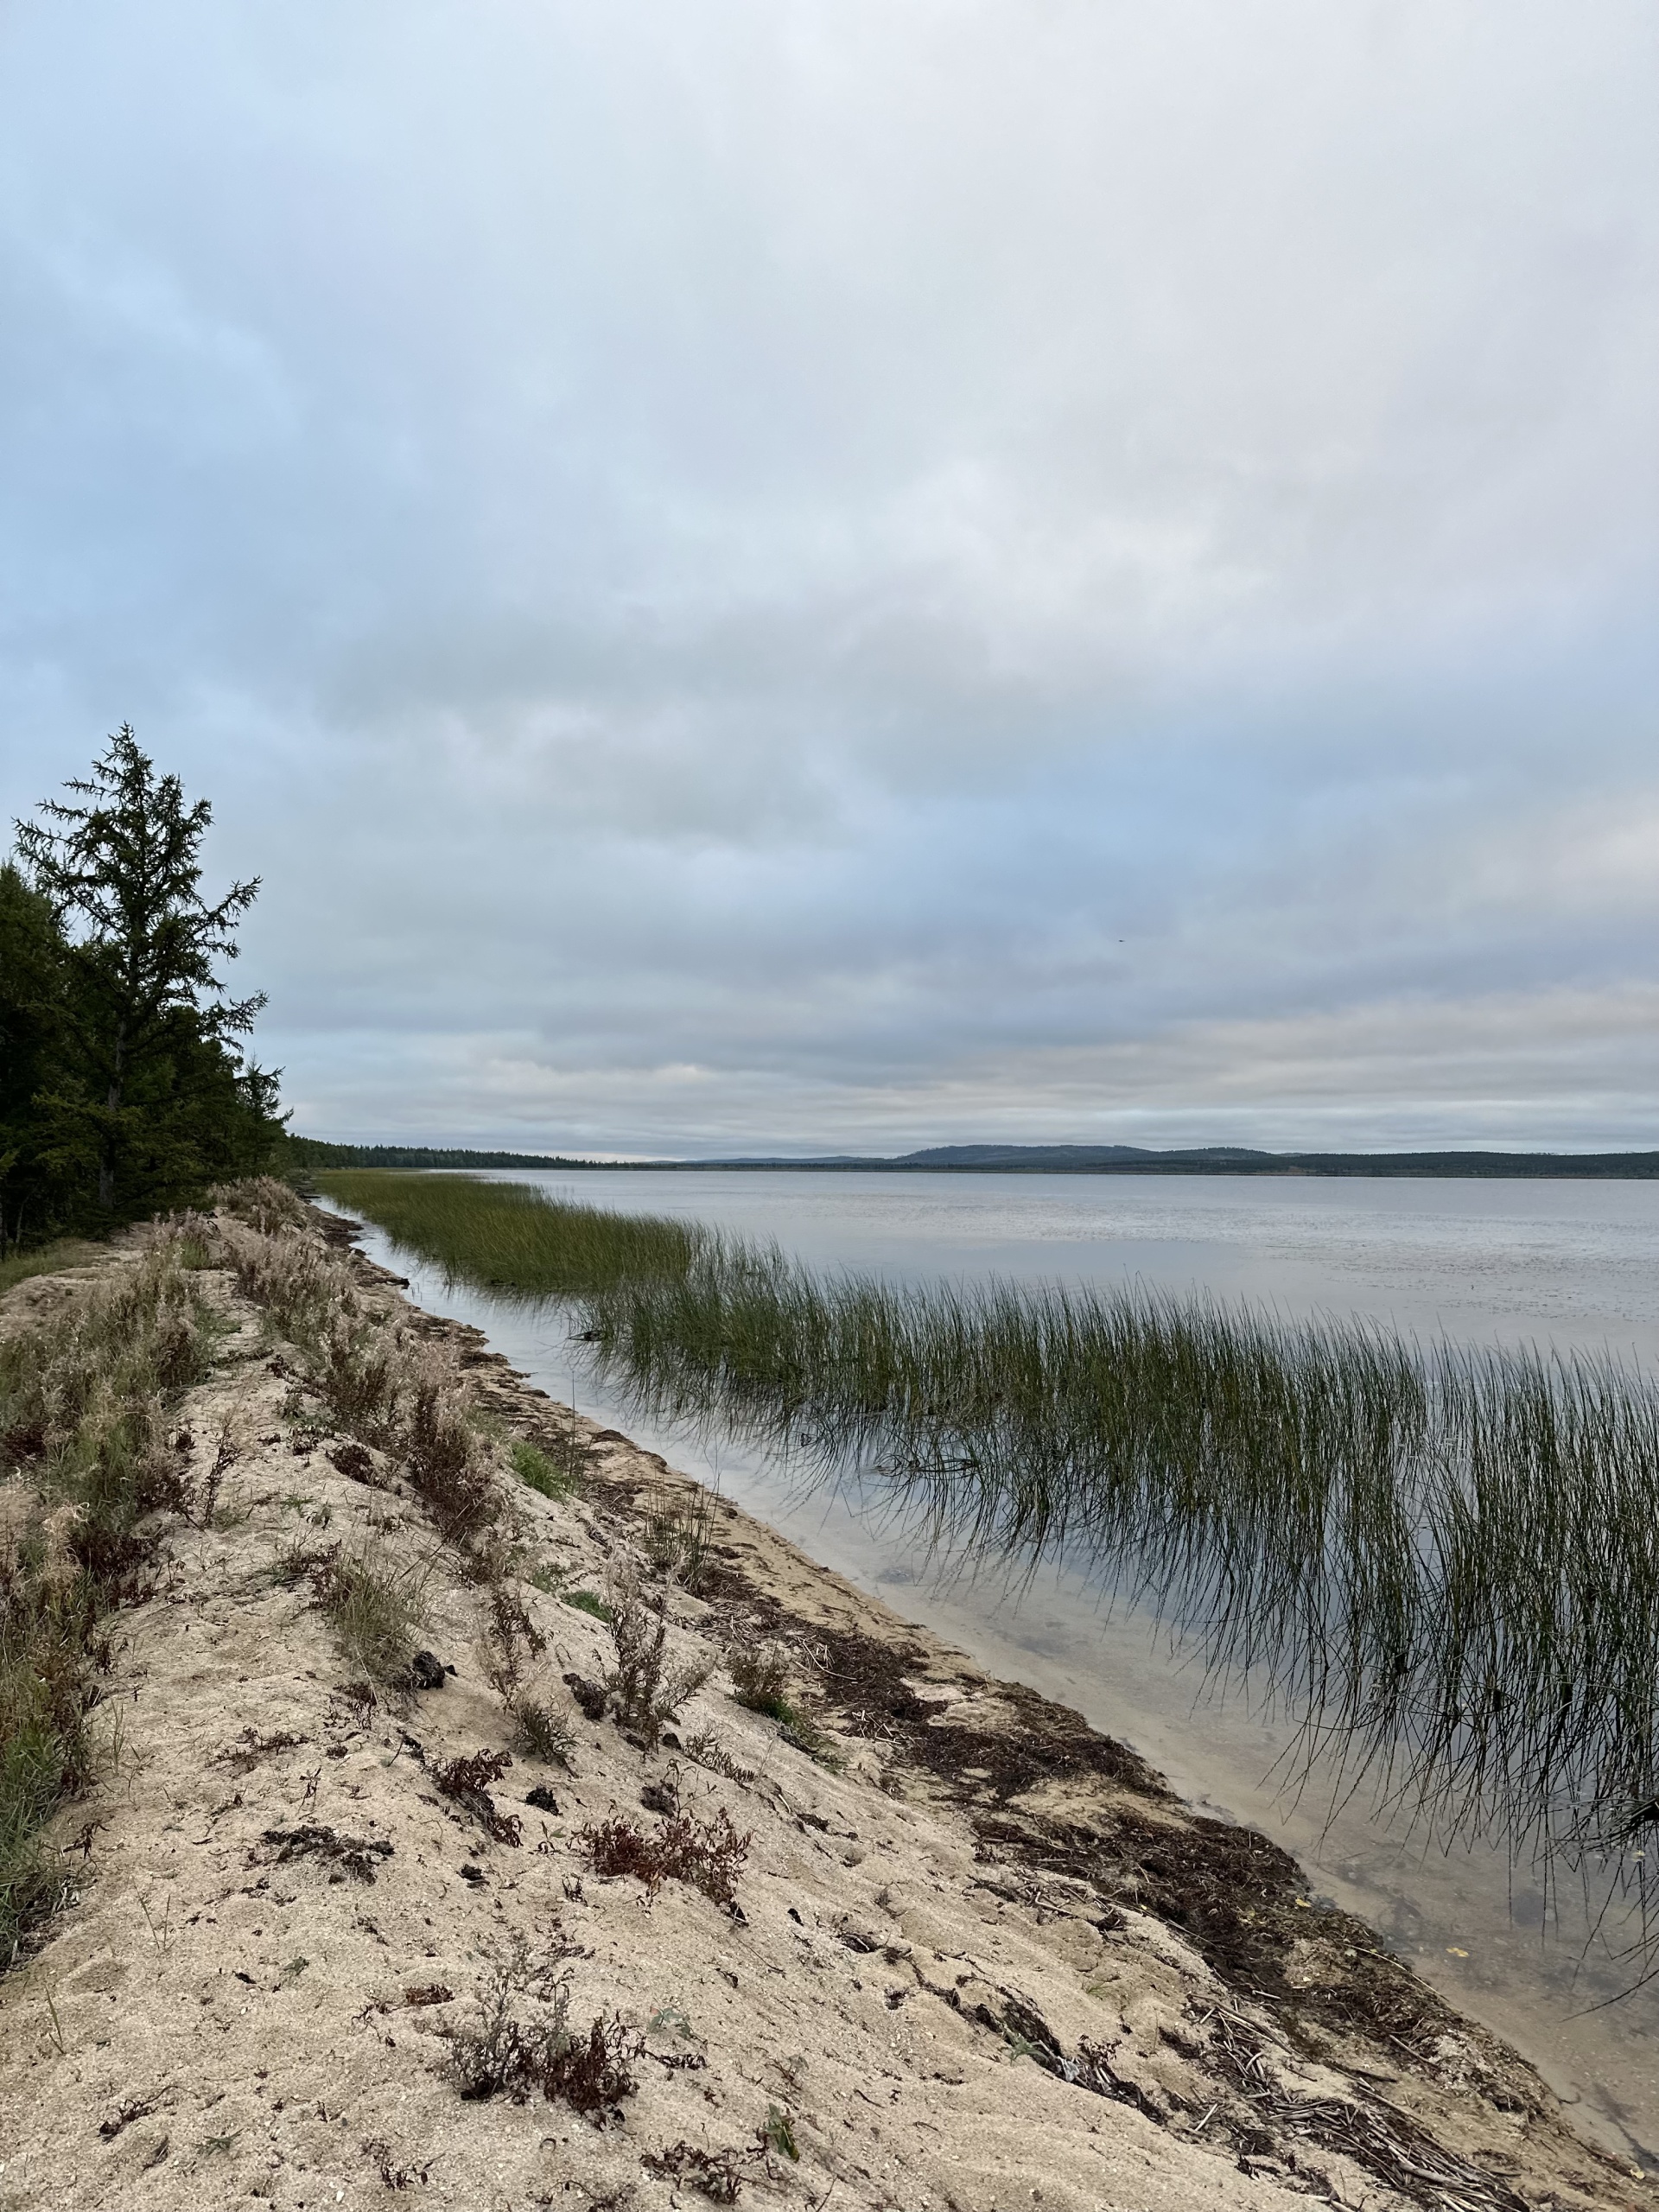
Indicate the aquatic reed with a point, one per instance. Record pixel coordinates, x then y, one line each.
508 1237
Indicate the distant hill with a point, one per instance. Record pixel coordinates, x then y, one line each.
1238 1159
1032 1159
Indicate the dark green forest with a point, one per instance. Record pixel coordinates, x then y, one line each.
308 1152
124 1088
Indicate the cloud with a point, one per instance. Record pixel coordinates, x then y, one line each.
799 575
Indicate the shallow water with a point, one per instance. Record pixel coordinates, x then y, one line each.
1567 1263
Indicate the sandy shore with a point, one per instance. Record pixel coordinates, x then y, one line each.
979 1957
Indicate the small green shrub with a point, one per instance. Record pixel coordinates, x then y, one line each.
374 1612
564 1457
645 1684
521 2040
776 2132
589 1601
760 1680
678 1539
358 1372
44 1757
705 1750
542 1733
446 1458
534 1468
511 1643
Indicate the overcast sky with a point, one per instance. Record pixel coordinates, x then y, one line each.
843 573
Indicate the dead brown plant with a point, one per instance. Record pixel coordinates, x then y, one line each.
706 1855
713 2174
469 1782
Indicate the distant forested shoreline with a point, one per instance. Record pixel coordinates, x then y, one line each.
1026 1160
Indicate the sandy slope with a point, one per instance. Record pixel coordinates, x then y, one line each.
930 1941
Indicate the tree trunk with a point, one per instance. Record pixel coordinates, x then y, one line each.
106 1151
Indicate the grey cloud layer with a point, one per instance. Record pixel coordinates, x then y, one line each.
837 573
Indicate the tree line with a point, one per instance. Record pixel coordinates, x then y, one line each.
123 1086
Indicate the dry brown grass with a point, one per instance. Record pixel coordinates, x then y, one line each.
84 1400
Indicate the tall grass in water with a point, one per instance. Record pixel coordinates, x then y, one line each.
1447 1557
509 1237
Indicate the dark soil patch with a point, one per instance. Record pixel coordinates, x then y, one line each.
864 1681
1243 1903
354 1462
23 1442
1231 1891
343 1854
336 1229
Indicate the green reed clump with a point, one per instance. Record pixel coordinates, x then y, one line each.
508 1237
1448 1557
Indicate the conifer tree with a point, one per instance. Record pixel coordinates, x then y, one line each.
152 1096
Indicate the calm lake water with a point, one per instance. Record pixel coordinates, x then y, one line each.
1575 1265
